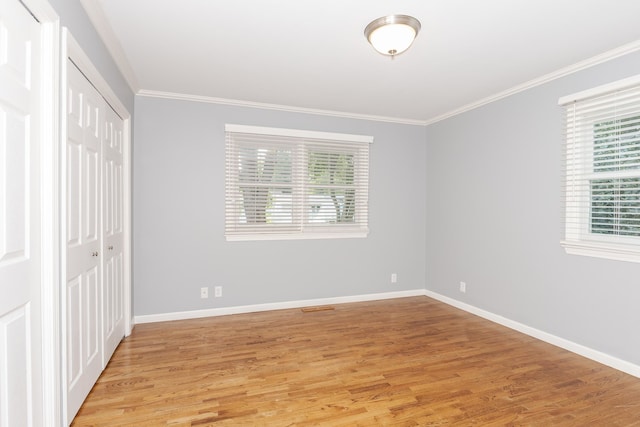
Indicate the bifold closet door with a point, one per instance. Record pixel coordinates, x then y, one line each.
113 232
83 293
94 295
20 217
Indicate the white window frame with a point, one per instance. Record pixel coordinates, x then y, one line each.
300 141
578 156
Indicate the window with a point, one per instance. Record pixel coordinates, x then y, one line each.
290 184
602 171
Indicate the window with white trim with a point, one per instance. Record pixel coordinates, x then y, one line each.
602 171
295 184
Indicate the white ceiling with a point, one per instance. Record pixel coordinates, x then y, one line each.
311 54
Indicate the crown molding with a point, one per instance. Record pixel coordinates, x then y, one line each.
582 65
579 66
97 17
265 106
106 33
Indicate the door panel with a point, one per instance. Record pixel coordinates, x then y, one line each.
15 361
15 163
74 331
74 188
83 292
113 233
20 264
92 322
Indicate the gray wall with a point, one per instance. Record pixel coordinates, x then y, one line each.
179 243
493 221
73 16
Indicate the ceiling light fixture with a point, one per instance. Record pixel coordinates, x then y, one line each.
393 34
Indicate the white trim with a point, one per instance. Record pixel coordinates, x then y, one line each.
265 106
297 133
97 16
224 311
49 211
84 64
63 223
602 250
582 65
589 353
127 183
563 72
295 236
600 90
103 28
75 53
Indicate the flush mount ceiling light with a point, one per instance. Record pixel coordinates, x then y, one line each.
393 34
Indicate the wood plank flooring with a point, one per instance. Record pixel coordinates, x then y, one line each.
402 362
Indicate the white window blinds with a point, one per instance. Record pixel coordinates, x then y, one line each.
602 167
287 184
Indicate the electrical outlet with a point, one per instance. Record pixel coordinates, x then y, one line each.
204 292
218 291
463 287
394 278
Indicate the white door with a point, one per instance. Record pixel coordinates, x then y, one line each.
83 293
20 327
113 232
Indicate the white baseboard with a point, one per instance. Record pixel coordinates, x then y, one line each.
589 353
223 311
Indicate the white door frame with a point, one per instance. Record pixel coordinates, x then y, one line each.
72 50
50 220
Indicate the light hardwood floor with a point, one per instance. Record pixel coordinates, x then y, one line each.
402 362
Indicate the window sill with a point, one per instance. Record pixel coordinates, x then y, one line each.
297 236
602 250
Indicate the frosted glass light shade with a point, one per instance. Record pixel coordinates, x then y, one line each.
393 34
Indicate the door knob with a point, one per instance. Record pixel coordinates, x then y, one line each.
94 253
